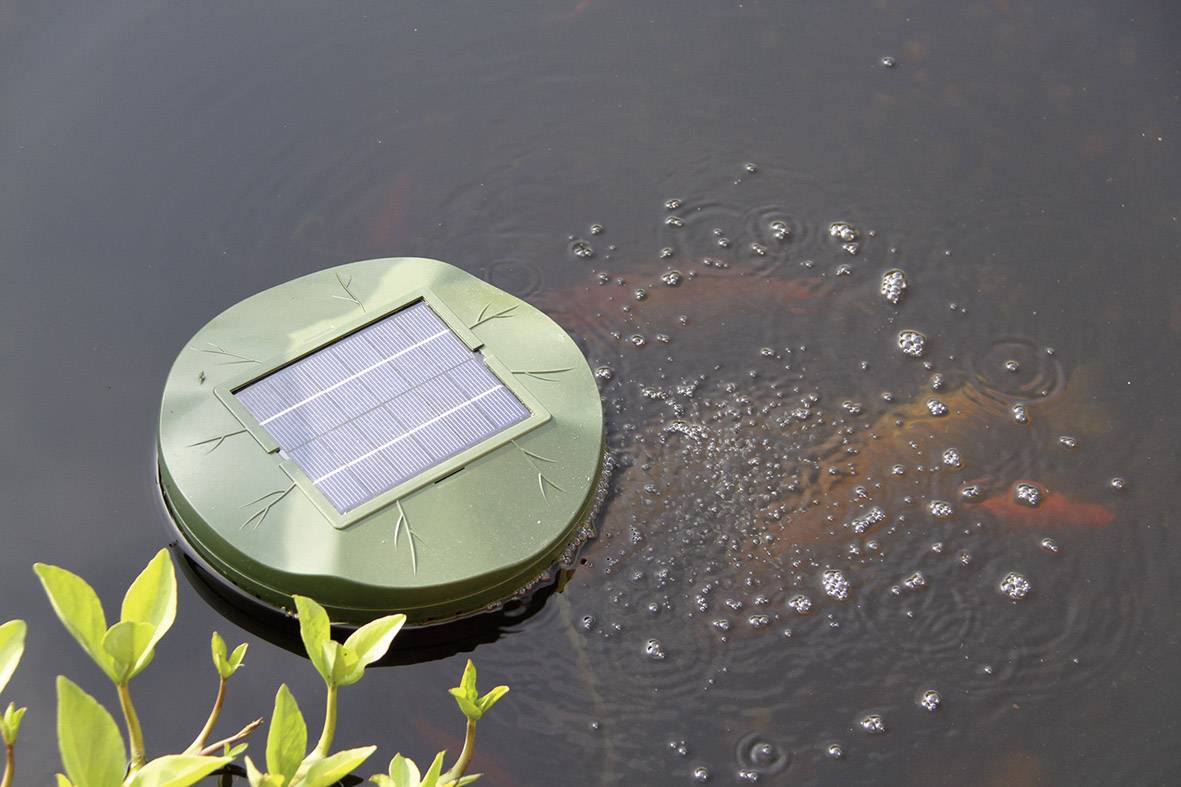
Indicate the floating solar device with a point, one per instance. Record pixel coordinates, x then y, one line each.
388 435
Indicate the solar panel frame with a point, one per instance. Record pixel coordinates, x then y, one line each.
290 364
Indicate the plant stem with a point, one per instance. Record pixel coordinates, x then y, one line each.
9 766
465 756
199 742
329 724
214 749
135 733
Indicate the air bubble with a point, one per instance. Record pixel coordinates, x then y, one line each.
582 249
940 509
930 700
596 229
1020 414
835 584
1050 545
888 62
842 231
936 408
758 249
912 343
654 650
1028 494
637 340
800 604
873 724
835 751
893 285
915 581
750 167
951 458
666 252
605 373
701 774
1012 366
672 203
1118 484
971 492
640 294
780 230
674 221
1014 585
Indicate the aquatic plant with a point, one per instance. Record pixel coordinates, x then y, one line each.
95 754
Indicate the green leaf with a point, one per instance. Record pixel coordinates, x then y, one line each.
466 706
287 738
237 657
226 666
491 698
346 666
315 630
233 751
62 781
468 681
381 780
371 641
463 780
177 770
78 608
151 599
125 644
331 769
12 645
258 779
10 723
91 747
431 779
403 773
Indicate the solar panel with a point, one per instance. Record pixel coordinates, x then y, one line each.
366 413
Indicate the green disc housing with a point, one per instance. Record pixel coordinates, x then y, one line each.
450 536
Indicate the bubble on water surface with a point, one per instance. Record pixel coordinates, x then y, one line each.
951 457
780 229
672 203
640 294
750 167
581 249
930 700
1014 585
674 221
747 775
863 522
758 249
654 650
701 774
915 581
912 343
1020 414
680 748
936 408
835 751
1027 494
672 278
1118 484
800 604
637 339
893 285
971 492
605 373
1050 545
940 509
835 584
888 62
842 231
1012 366
873 724
666 252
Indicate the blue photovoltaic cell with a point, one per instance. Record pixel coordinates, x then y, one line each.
382 405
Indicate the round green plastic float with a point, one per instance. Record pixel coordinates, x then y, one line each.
393 435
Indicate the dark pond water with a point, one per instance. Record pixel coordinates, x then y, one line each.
159 162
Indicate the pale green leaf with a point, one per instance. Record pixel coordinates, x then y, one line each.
237 657
10 723
152 599
466 706
91 747
381 780
462 780
225 665
491 698
431 777
468 681
346 666
62 781
125 644
331 769
404 772
78 608
12 645
177 770
233 751
217 649
371 641
315 630
287 738
259 779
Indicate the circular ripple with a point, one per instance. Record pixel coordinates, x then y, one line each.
1037 375
521 278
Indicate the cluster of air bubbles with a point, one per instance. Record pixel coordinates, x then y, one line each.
581 249
851 407
780 229
654 650
640 294
587 622
893 285
800 604
912 343
915 581
1066 441
1014 585
835 751
1118 484
936 381
666 252
971 492
637 339
722 240
679 748
1028 494
1012 366
844 269
835 584
936 408
873 724
1050 545
873 516
842 231
951 458
604 373
674 221
888 62
1020 413
940 509
596 229
750 167
672 203
930 700
701 774
758 249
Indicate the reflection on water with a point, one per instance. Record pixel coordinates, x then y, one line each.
812 534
